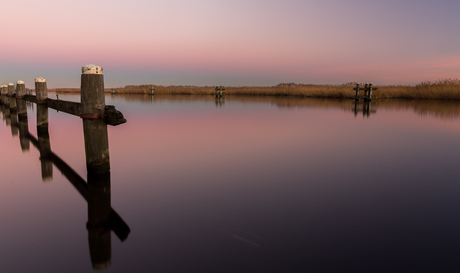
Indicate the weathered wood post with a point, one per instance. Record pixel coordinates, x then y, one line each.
92 112
370 92
42 108
99 209
357 92
22 115
44 144
5 100
151 91
112 91
366 89
217 91
21 104
11 99
97 164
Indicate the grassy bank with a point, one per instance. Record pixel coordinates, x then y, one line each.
448 89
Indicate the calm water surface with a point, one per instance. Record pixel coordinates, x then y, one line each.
241 185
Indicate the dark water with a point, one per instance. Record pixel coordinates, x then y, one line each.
241 185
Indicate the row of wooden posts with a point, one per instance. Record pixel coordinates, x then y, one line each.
102 219
368 89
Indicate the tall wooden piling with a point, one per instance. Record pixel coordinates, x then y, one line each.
5 99
369 98
21 104
92 112
42 108
42 129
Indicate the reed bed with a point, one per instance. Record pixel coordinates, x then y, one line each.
444 89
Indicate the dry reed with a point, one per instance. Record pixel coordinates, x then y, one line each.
445 89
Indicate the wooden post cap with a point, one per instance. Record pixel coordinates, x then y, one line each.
40 80
11 84
20 82
91 69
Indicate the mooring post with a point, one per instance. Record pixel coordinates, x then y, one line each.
42 108
4 92
357 92
220 94
113 91
92 112
44 144
370 92
21 104
217 90
97 164
151 91
366 89
11 99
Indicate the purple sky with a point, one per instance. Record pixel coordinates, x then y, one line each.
230 42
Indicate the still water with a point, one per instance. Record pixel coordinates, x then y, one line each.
240 185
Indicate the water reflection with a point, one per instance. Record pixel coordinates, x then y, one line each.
102 219
365 108
443 109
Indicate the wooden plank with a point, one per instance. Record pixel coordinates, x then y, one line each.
68 107
30 98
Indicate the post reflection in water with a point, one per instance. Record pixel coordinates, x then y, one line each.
366 108
99 235
102 219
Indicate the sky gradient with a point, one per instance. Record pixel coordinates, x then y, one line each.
222 42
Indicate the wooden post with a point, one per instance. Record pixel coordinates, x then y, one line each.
11 99
113 91
94 128
217 90
44 144
357 92
4 93
366 89
220 94
42 108
21 104
98 226
370 92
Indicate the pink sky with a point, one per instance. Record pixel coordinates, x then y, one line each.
230 42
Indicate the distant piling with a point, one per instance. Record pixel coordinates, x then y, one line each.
41 91
4 92
42 107
21 104
11 99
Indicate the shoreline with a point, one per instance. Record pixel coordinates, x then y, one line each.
440 90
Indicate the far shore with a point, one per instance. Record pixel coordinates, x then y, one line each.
447 89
